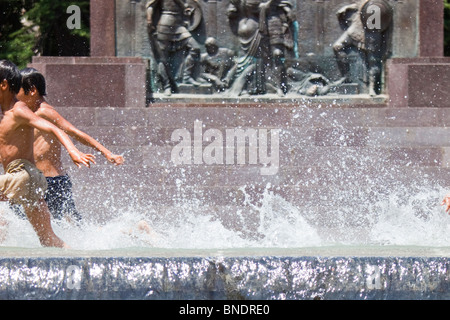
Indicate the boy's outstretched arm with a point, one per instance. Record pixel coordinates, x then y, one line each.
53 116
26 116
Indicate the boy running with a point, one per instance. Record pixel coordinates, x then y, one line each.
47 151
22 182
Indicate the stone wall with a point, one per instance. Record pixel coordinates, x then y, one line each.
335 161
419 82
94 81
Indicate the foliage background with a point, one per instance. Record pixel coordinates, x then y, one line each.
38 27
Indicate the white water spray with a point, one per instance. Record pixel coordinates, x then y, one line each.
400 219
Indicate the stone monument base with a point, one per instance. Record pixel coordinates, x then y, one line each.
94 81
418 82
120 82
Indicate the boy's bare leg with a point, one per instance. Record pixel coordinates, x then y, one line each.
39 217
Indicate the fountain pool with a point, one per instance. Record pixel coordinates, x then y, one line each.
398 253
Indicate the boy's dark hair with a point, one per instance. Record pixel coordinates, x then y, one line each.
32 78
10 73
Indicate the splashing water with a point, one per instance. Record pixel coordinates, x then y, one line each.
400 219
357 196
418 220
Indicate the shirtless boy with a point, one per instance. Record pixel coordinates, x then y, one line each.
22 182
47 151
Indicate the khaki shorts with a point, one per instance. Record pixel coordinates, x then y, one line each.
23 183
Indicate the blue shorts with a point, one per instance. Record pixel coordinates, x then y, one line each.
59 199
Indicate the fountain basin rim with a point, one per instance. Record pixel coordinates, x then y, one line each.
322 251
331 100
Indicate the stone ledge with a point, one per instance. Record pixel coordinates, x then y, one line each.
273 100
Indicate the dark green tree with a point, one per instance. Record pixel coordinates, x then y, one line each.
39 27
15 43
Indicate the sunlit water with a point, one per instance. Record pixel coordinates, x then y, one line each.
359 204
399 219
361 199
